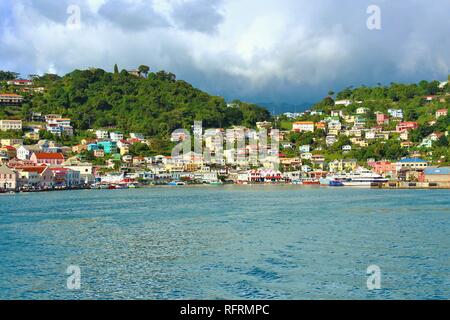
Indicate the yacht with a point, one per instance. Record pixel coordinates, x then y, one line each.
359 178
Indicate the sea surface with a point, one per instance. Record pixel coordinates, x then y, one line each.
226 242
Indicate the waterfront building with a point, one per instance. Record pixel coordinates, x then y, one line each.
437 174
65 177
411 164
8 178
385 168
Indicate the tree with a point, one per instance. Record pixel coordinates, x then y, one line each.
144 70
116 69
8 75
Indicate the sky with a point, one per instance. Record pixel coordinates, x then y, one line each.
283 51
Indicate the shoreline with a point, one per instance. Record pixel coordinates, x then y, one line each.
300 186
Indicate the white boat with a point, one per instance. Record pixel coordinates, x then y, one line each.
359 178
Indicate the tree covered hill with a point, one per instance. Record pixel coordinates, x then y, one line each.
154 105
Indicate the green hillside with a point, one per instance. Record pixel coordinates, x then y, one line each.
154 105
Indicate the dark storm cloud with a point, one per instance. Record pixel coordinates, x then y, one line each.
198 15
132 16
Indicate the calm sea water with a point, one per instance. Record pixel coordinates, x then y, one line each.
226 242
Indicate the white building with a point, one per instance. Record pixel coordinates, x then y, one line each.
342 103
25 152
396 113
116 136
15 125
138 136
303 126
102 134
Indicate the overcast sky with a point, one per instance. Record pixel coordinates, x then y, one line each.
291 51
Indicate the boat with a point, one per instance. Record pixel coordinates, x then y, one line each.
336 183
359 178
176 183
218 182
296 182
310 182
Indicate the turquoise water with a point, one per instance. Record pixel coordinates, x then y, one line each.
226 242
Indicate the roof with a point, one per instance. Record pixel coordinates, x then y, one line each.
10 95
304 122
45 155
415 160
437 170
38 169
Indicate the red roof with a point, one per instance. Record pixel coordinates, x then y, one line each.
44 155
9 95
37 169
9 148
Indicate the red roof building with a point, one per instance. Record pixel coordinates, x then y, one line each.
406 126
47 158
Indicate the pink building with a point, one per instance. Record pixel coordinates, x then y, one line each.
406 126
383 167
47 158
382 119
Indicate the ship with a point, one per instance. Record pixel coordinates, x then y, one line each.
359 178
